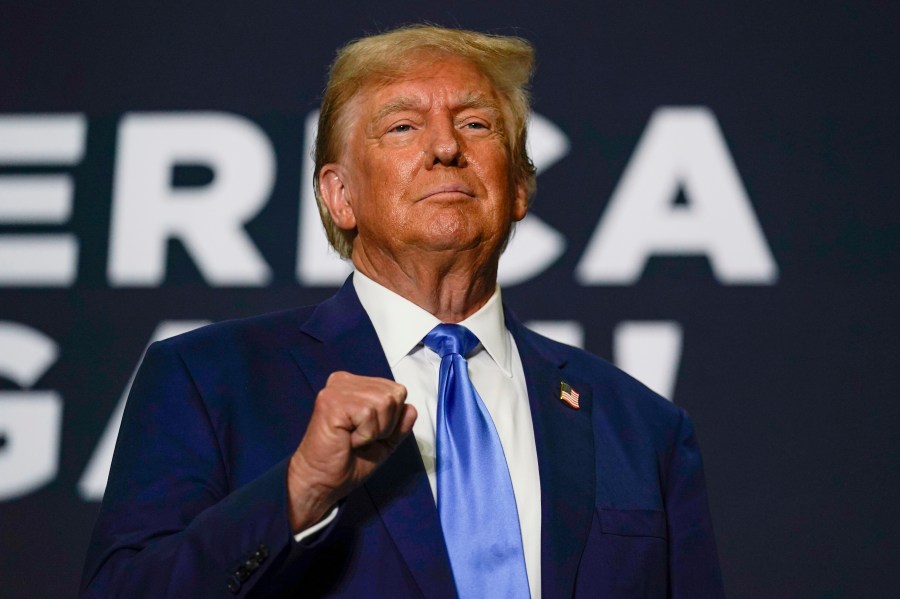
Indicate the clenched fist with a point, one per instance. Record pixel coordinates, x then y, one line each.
355 425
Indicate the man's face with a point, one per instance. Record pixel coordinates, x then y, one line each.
426 167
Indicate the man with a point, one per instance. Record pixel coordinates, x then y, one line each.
272 457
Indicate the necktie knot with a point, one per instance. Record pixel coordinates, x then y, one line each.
446 339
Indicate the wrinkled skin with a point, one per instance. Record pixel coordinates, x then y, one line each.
426 183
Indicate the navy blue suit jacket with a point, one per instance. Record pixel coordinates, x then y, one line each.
196 504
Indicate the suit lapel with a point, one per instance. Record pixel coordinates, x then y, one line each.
346 340
565 450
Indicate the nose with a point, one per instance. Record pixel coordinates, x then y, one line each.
444 145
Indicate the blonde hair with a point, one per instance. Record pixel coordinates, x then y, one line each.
506 61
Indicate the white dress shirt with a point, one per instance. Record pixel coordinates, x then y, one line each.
496 372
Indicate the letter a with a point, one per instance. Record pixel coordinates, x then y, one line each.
682 148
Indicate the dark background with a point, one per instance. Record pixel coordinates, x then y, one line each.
792 386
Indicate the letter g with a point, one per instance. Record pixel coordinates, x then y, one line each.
30 421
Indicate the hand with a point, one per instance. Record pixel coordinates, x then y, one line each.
356 424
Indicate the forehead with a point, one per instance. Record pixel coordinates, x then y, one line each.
421 83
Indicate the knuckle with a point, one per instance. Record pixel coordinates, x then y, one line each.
337 377
368 414
381 402
323 398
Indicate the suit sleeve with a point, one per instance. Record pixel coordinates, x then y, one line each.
170 524
693 561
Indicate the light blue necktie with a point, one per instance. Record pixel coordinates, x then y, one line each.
475 497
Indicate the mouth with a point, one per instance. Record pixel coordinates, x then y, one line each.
454 191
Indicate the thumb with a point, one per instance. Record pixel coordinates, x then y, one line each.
404 426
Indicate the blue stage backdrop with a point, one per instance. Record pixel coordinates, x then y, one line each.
717 213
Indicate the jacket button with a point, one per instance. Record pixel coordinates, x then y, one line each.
262 553
242 573
234 585
251 564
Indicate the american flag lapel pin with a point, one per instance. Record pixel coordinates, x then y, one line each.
568 395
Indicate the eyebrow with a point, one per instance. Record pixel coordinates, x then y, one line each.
468 100
396 105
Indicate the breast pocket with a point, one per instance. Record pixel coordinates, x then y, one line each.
633 523
625 556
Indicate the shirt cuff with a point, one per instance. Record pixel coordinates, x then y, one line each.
303 534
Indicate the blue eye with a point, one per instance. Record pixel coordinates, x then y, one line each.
402 128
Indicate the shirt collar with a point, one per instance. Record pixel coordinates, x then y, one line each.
401 325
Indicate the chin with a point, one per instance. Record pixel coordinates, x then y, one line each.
450 233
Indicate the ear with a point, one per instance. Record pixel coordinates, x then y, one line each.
336 196
520 202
